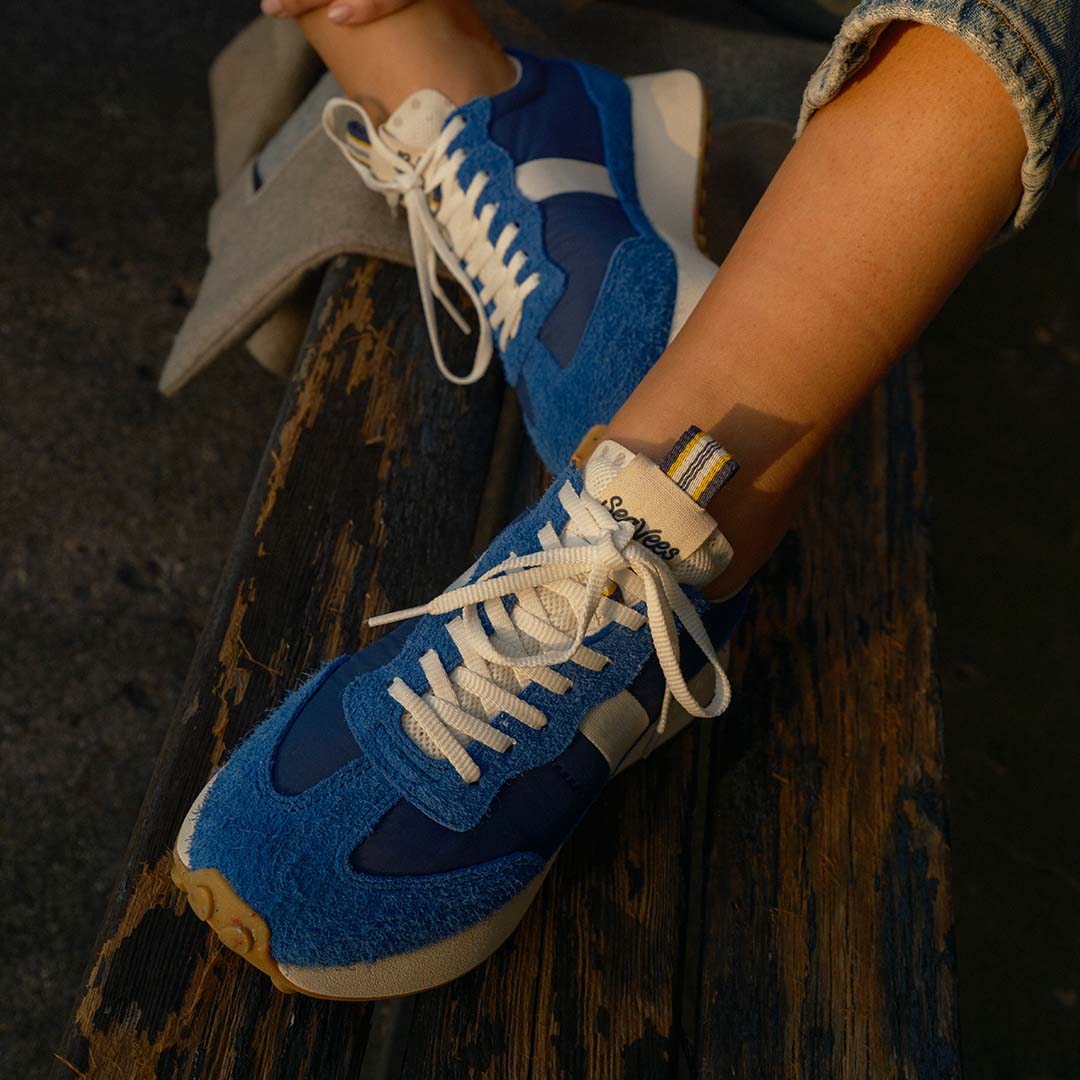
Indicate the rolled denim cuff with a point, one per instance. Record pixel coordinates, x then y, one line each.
1001 35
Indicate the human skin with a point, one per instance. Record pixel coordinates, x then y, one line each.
341 12
891 193
877 213
437 44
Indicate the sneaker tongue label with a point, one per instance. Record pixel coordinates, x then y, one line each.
699 465
665 520
665 502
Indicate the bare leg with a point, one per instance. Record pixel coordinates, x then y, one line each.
437 44
875 216
880 209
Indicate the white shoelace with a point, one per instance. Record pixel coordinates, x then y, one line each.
451 231
561 594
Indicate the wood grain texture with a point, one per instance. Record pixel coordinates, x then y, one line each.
769 895
367 497
827 847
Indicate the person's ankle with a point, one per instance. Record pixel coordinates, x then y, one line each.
431 44
481 66
478 69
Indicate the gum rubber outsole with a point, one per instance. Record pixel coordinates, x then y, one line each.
238 925
243 930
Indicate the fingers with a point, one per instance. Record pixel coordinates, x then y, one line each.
353 12
283 9
342 12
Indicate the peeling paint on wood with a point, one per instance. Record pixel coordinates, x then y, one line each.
339 523
768 897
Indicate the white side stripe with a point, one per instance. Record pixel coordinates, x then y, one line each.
541 179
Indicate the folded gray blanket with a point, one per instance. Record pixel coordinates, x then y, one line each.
289 202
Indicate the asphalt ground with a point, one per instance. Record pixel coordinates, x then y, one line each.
118 508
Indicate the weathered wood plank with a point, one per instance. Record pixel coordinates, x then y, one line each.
367 497
769 895
827 939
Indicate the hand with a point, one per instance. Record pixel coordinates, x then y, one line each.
342 12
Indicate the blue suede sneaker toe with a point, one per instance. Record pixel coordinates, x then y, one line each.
386 828
566 208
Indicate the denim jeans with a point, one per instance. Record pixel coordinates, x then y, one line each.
1033 45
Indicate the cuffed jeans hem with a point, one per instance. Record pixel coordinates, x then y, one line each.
994 37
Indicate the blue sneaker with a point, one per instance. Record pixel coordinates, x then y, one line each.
566 208
385 829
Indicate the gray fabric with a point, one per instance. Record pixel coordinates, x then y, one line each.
248 106
311 206
263 243
272 158
247 112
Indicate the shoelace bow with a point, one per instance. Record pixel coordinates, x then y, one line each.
568 575
453 225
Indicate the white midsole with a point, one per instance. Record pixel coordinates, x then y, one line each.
668 116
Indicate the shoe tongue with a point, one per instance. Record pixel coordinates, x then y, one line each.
665 501
414 124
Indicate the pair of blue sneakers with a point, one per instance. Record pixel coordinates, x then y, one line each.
385 829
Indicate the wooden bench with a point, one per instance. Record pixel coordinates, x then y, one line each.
767 897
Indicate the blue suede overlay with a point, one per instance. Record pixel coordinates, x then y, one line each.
626 334
432 784
377 858
602 313
484 155
288 857
538 810
611 96
631 317
581 232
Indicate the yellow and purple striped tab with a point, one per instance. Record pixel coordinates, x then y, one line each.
699 465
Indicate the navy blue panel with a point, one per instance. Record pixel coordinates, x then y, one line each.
719 621
318 741
649 685
534 812
581 232
548 113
